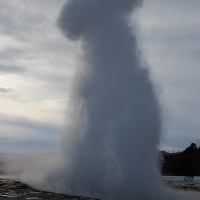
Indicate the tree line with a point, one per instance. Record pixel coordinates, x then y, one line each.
185 163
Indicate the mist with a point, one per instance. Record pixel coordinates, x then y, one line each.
109 148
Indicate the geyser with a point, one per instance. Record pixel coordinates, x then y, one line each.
110 147
109 150
111 140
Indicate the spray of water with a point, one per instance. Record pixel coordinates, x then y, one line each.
113 134
112 139
110 146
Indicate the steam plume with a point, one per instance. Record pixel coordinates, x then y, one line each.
112 139
110 149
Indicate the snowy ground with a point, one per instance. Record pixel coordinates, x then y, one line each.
179 182
179 178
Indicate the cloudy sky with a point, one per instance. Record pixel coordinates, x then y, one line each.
37 66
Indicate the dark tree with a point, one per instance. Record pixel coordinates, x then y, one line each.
186 163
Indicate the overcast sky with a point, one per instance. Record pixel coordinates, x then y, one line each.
37 65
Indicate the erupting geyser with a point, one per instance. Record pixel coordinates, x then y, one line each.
111 143
110 146
110 149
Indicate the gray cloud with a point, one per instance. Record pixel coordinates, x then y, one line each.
170 39
43 128
11 53
24 20
5 90
11 69
42 135
17 145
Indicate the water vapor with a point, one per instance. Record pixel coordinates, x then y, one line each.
109 150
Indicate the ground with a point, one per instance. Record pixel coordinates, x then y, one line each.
182 183
11 188
14 189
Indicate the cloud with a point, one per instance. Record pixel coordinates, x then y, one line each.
25 134
35 62
37 126
11 69
25 146
5 90
11 53
169 37
32 41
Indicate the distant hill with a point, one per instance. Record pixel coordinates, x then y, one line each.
186 163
